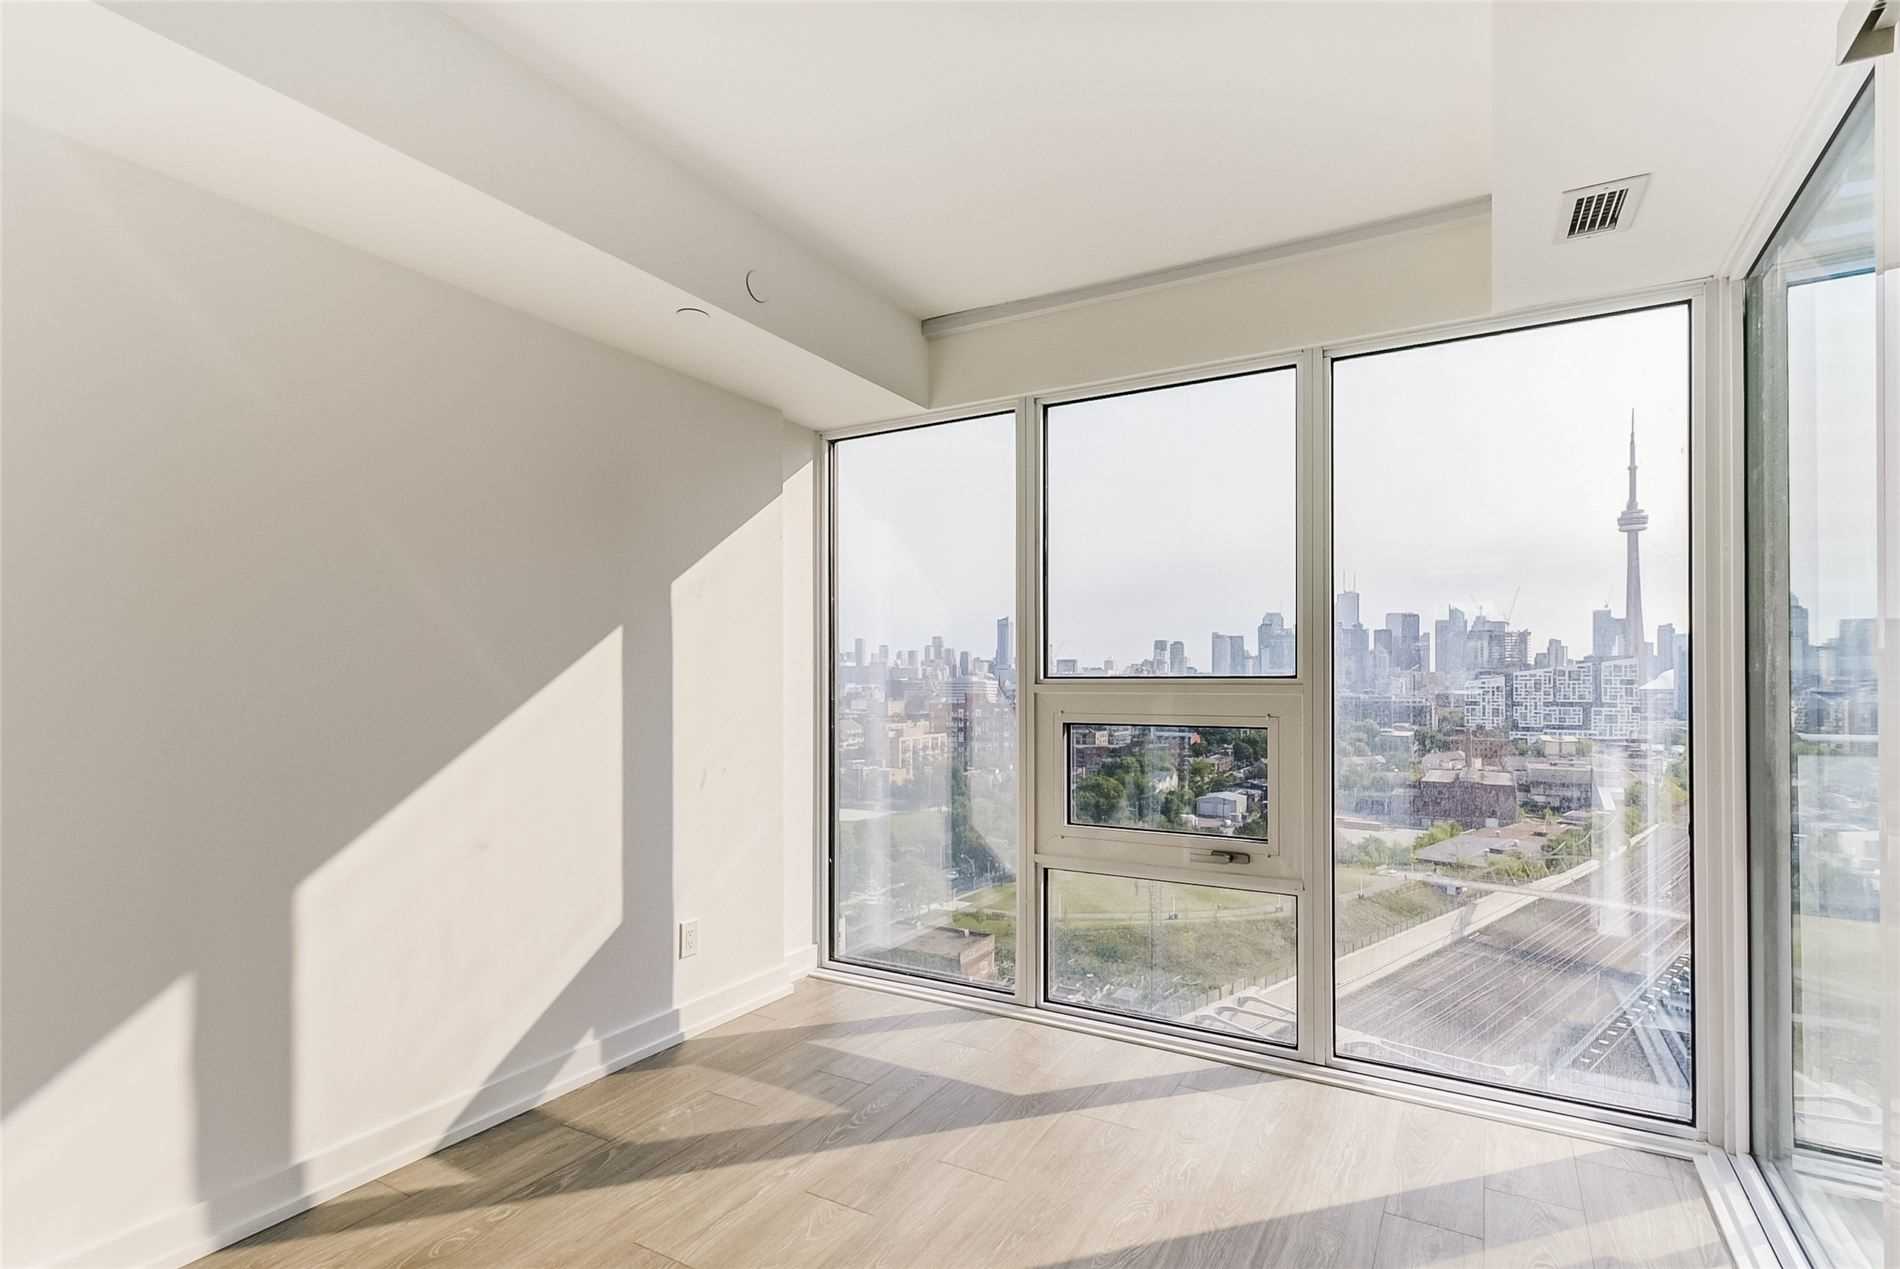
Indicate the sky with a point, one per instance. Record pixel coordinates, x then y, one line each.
926 534
1486 473
1171 514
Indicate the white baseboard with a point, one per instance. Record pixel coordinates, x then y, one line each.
801 962
182 1236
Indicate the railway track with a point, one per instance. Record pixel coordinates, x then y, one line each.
1514 1000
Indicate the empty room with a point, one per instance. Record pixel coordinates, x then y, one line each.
949 635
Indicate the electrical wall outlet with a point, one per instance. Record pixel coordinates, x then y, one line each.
689 939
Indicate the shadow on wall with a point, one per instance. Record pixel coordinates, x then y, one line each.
374 659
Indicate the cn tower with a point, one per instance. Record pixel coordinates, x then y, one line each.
1632 522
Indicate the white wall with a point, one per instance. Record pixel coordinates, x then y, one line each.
384 673
1437 273
798 508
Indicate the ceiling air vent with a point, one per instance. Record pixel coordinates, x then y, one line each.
1600 209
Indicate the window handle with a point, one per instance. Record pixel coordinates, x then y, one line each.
1229 857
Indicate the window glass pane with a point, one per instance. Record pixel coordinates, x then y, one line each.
1815 843
924 700
1170 530
1207 957
1176 779
1511 710
1835 769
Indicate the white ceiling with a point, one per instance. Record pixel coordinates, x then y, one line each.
1706 97
962 155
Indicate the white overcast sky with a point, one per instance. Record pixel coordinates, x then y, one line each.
1486 473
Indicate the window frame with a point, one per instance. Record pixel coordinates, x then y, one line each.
1173 698
1062 841
1717 794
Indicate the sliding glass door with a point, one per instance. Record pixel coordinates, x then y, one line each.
1819 996
1511 670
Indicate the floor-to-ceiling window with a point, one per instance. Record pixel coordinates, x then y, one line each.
1511 676
924 829
1500 894
1814 743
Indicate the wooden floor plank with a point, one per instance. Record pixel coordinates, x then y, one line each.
1443 1161
1331 1205
1407 1244
935 1214
1522 1233
352 1207
1636 1219
1531 1164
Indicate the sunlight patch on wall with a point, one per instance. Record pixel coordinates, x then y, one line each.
447 929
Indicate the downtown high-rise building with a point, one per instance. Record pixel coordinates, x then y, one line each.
1346 608
1275 647
1230 654
1801 667
1606 633
1005 643
1448 640
1408 652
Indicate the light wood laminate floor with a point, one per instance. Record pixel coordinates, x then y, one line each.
843 1126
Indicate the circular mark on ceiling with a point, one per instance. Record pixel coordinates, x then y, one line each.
751 289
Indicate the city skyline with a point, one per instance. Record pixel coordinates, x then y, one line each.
1167 488
1517 521
1452 646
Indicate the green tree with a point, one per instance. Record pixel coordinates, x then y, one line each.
1099 798
1174 805
1635 808
971 857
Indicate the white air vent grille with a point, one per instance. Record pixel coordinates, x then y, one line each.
1600 209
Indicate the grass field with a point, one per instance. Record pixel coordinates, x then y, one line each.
1210 935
